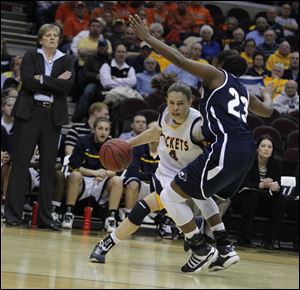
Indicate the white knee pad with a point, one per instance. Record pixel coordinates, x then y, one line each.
208 207
176 206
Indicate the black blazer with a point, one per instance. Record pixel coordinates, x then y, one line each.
33 64
274 169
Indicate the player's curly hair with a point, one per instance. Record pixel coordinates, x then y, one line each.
162 82
231 61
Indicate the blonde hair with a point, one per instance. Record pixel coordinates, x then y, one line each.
182 88
97 106
44 29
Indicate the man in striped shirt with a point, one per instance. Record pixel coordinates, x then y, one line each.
96 110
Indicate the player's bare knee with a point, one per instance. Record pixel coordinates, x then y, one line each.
132 186
75 176
117 181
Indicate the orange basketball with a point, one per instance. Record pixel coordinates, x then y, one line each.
115 154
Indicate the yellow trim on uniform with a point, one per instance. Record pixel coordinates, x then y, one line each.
173 127
149 161
161 206
91 155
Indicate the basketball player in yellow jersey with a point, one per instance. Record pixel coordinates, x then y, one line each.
179 133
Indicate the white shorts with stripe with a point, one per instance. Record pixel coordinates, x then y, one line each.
144 187
94 189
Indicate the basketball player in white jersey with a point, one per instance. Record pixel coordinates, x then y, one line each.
179 133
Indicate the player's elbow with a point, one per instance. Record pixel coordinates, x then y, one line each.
265 112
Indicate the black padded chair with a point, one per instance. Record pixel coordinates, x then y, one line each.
274 116
292 140
291 155
284 125
254 121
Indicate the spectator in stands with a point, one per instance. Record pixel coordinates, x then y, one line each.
138 125
137 61
6 154
96 110
248 52
292 73
271 19
210 48
269 46
182 75
5 57
260 194
288 100
258 68
141 12
130 40
104 7
66 10
158 13
200 13
295 11
7 120
143 84
260 28
73 25
45 12
282 55
276 80
196 53
40 111
13 74
160 85
9 92
7 104
122 9
91 76
108 17
88 45
289 24
238 40
138 175
230 24
117 73
88 178
180 23
157 30
118 31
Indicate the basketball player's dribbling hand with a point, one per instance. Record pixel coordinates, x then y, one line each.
140 27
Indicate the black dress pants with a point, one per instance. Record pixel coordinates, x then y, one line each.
38 130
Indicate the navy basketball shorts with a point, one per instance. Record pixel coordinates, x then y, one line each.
220 169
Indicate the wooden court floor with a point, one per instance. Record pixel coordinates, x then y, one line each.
33 258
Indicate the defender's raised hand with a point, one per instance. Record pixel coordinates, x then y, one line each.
140 27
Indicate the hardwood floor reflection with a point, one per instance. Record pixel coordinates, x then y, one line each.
33 258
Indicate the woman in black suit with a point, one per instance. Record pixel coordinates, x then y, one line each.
40 111
260 195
